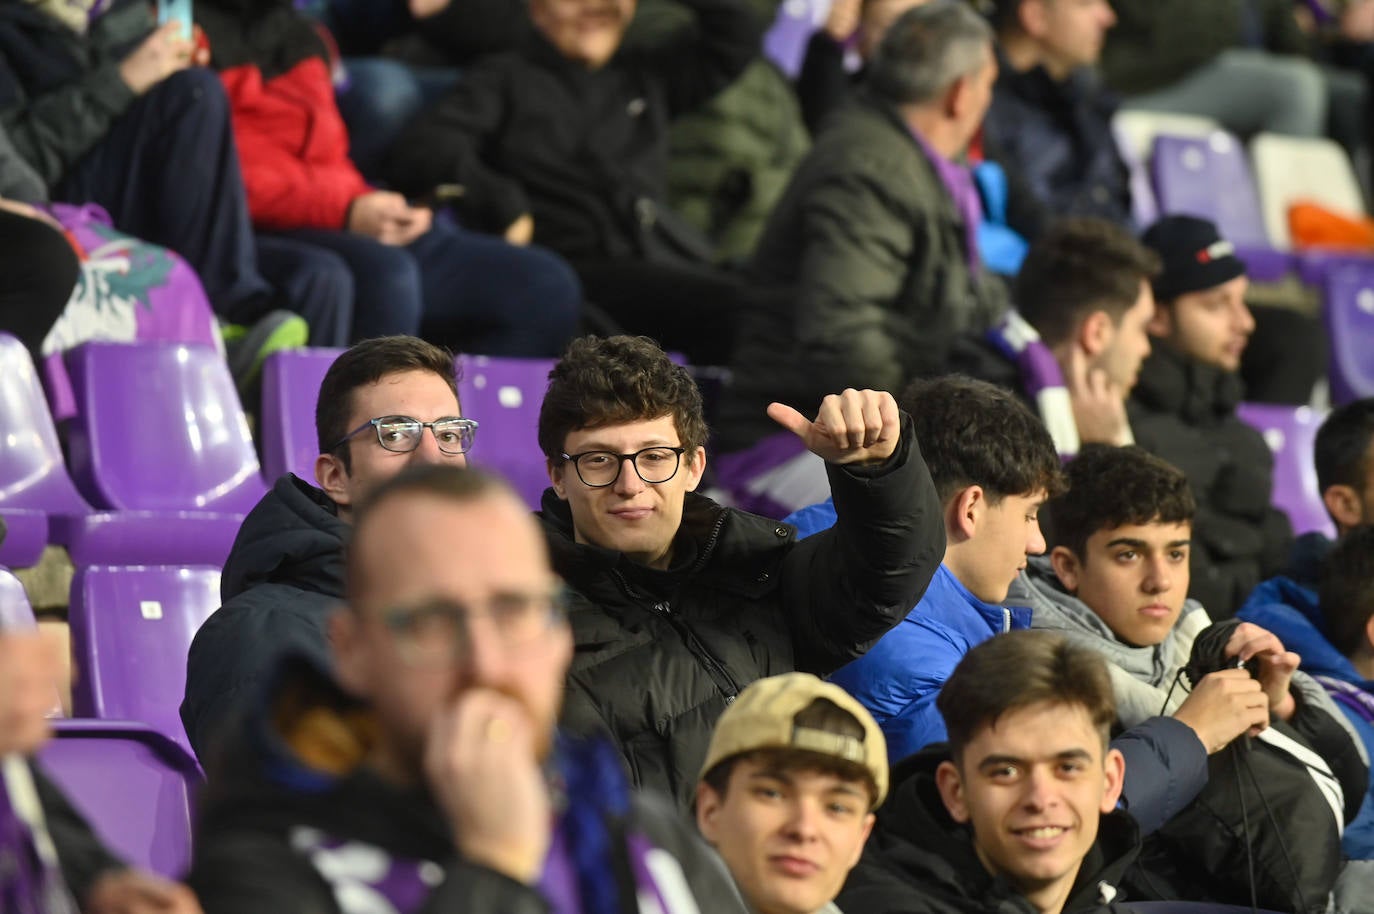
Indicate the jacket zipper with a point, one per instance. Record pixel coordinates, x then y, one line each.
724 682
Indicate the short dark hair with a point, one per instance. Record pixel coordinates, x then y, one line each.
1081 265
1342 449
975 433
926 50
1021 669
823 715
438 481
1112 487
1345 591
601 382
367 363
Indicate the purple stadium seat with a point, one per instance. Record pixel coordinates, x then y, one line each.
504 396
1209 177
1349 317
290 386
26 533
134 785
33 477
160 428
131 629
1291 433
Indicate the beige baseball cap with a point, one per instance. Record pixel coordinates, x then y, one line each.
762 717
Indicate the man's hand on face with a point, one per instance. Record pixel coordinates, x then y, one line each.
854 427
1276 665
1099 405
134 892
1223 706
481 763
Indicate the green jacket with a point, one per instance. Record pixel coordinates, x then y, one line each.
1158 42
861 277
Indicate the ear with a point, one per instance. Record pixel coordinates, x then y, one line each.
333 478
708 812
1343 503
557 474
951 786
696 466
1114 766
859 847
1096 332
1162 324
965 512
1369 634
957 97
1066 567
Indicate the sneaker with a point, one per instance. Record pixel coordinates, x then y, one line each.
248 347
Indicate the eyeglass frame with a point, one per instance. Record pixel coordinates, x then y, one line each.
395 619
376 423
679 450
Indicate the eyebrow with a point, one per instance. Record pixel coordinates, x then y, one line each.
595 445
785 777
992 761
1141 544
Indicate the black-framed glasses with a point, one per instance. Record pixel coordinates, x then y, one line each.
599 469
402 434
436 634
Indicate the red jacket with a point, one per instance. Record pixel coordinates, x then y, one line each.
293 147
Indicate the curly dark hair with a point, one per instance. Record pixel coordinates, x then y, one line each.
1112 487
1078 266
618 379
975 433
1345 591
367 363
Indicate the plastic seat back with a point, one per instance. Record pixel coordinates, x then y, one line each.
32 472
160 428
1209 177
1291 433
504 396
131 630
290 387
1292 169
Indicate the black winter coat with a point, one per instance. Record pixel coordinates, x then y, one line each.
659 654
584 152
283 577
1185 412
920 861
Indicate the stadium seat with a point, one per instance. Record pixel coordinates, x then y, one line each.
1209 177
131 629
290 387
1135 133
1290 169
15 611
133 784
1349 317
26 533
504 396
1291 433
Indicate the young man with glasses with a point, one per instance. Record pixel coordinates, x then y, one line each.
681 602
426 772
384 405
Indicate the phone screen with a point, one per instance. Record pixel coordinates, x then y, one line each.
175 11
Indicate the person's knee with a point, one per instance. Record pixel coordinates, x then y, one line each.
1297 87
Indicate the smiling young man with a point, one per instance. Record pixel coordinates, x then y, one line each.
681 602
1184 410
1115 582
1017 813
786 797
384 405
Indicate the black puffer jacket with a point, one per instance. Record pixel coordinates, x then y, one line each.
1185 412
661 653
920 861
284 575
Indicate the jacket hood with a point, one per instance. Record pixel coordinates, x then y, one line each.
1172 383
916 837
1305 560
293 536
1291 611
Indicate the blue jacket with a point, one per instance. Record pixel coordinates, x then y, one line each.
1288 608
900 676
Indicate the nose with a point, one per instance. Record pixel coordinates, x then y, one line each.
1038 792
1158 578
628 482
481 655
427 451
1245 321
1108 16
803 820
1035 541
